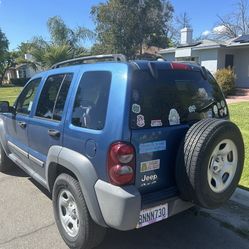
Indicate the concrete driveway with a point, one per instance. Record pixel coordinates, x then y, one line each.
26 221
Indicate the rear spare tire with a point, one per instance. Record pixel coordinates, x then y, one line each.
210 162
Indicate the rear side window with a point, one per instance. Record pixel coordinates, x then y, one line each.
174 97
53 96
91 100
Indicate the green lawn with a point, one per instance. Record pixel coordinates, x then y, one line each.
239 114
9 93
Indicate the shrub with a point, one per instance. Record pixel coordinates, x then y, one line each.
19 82
226 80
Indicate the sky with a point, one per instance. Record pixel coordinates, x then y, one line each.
21 20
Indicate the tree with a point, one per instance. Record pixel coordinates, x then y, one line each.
124 26
50 54
65 43
178 23
183 20
61 34
233 24
4 55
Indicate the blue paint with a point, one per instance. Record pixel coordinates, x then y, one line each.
152 147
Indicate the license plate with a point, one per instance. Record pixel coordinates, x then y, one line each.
152 215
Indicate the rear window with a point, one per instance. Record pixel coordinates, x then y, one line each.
174 97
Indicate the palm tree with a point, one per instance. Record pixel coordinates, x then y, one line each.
50 54
65 43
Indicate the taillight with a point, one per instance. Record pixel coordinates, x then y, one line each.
180 66
121 164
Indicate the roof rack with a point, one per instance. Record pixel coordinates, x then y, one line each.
81 60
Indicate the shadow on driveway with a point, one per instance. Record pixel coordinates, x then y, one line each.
185 230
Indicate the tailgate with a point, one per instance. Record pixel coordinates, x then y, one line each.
156 151
164 103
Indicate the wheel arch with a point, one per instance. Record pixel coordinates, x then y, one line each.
63 160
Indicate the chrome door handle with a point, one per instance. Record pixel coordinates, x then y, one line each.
54 133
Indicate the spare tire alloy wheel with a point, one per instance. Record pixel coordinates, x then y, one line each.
210 162
222 166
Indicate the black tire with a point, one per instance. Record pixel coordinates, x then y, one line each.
6 164
194 160
89 234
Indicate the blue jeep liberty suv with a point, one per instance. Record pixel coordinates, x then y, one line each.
122 144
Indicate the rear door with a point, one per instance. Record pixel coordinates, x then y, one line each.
46 125
164 105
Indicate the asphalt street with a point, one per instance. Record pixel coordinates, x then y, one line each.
26 222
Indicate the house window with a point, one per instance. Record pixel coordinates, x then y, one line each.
22 73
229 60
192 59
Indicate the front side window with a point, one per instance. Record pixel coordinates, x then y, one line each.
91 100
26 98
53 96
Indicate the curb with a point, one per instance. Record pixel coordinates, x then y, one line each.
241 196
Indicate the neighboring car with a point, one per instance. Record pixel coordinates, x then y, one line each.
122 144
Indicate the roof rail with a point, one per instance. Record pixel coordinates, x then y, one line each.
114 57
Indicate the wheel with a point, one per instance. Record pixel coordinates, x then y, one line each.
210 162
5 163
73 220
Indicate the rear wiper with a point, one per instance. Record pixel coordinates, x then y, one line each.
207 106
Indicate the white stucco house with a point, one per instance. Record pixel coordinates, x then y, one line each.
213 54
21 71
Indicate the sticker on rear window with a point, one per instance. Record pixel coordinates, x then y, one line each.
215 109
149 165
192 108
202 93
152 147
140 121
156 123
174 118
136 108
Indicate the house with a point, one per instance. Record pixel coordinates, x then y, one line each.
213 55
20 71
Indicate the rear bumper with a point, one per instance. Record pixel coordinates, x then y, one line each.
121 206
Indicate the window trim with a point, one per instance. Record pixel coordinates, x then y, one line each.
98 131
45 80
27 84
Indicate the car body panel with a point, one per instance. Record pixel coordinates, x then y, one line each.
84 151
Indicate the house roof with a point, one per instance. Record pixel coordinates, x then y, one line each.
21 65
241 41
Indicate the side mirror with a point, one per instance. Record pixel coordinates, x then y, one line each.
5 107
